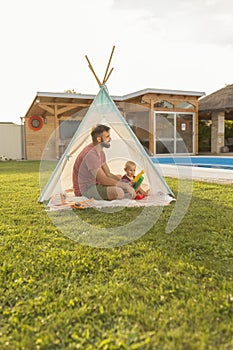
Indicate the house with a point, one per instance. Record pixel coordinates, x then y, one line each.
11 141
215 109
165 121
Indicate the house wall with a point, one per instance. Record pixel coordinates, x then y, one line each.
36 140
11 141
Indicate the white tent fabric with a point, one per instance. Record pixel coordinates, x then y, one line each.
124 146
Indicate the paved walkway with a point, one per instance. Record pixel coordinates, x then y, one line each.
197 173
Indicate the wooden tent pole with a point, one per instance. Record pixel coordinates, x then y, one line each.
91 68
106 72
108 76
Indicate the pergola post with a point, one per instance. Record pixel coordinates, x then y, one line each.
217 132
151 128
56 126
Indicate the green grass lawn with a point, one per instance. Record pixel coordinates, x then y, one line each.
165 291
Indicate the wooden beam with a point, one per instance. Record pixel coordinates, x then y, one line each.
47 109
64 104
151 129
56 127
68 118
65 109
60 111
106 72
91 68
108 76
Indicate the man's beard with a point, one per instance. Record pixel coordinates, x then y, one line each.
105 144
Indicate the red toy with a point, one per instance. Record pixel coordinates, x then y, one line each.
139 196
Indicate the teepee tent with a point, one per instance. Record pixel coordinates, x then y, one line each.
124 146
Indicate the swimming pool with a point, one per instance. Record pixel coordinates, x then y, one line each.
197 161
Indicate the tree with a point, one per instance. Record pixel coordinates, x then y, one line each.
204 136
70 91
228 129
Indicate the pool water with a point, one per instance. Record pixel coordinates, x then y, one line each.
197 161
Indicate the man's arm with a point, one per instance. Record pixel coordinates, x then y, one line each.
105 180
107 172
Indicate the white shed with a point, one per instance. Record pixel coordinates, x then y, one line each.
11 141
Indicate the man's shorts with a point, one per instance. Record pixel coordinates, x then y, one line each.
97 192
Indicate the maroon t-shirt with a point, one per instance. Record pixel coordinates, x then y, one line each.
89 159
125 178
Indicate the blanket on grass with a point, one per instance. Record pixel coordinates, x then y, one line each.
69 202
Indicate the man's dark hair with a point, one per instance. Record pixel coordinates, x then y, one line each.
98 130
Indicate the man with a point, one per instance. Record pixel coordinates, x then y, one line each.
91 175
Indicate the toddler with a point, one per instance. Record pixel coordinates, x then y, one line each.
130 168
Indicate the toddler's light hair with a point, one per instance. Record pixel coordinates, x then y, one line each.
129 163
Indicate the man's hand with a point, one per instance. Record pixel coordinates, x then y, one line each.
109 181
131 191
127 187
117 176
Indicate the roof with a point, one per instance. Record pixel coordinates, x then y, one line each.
220 100
79 101
124 97
161 91
7 123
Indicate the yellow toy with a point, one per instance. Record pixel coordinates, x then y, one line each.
138 179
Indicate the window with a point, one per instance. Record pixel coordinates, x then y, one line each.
163 104
185 105
174 132
68 128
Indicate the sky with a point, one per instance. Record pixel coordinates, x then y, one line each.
170 44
